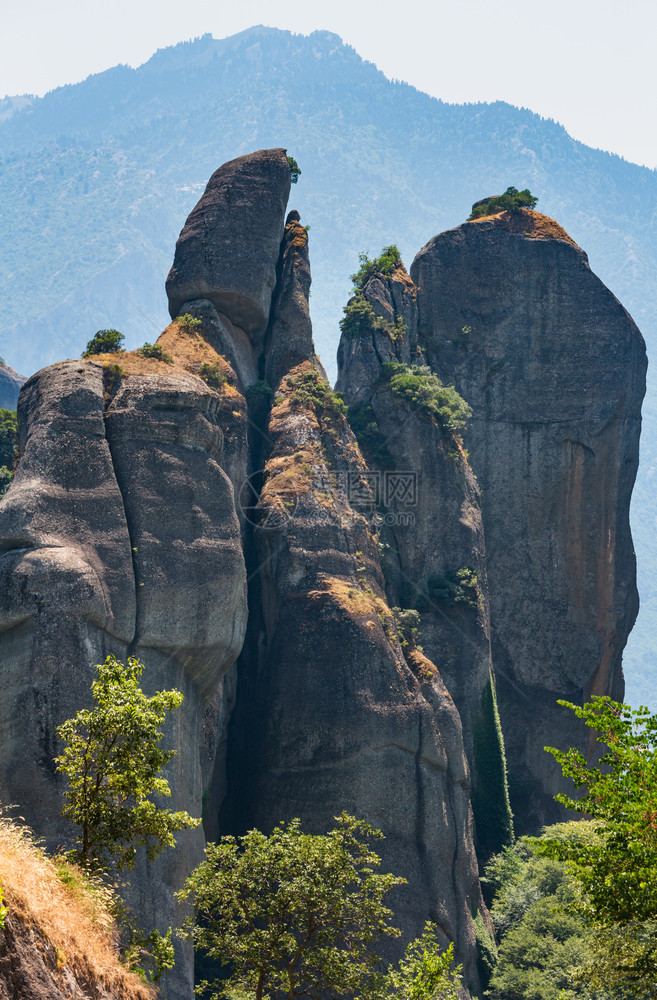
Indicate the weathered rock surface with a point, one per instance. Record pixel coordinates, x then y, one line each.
329 714
10 386
554 369
119 535
290 340
228 249
146 499
429 518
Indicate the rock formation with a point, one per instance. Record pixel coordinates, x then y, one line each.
554 370
184 511
430 523
10 386
228 249
119 535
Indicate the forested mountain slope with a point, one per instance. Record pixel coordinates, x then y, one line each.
97 179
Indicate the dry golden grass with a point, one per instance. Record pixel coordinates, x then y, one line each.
73 918
422 666
189 352
352 598
529 223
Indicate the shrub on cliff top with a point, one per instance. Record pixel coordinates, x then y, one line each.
424 389
385 264
104 342
295 170
511 201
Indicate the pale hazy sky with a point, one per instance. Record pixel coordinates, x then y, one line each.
590 64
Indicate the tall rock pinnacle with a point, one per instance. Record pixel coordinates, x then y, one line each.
554 370
228 249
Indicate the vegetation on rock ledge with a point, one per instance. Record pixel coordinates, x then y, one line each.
424 389
511 201
309 389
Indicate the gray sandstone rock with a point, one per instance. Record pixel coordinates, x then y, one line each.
554 369
228 249
119 535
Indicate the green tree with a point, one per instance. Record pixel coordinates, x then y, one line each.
295 170
424 973
545 942
511 201
104 342
113 761
617 868
385 264
8 438
293 913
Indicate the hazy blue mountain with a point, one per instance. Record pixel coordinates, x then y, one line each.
96 180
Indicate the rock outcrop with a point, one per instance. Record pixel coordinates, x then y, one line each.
384 587
430 523
10 386
119 535
228 249
554 370
326 699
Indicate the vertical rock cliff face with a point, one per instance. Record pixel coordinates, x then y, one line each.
119 535
329 714
430 524
554 370
143 500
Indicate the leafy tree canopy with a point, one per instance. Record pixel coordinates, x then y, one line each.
546 944
113 761
297 914
511 201
104 342
292 913
616 869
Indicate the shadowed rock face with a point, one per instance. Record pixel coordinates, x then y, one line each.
554 369
329 714
10 386
229 246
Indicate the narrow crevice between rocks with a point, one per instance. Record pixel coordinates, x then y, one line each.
111 385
